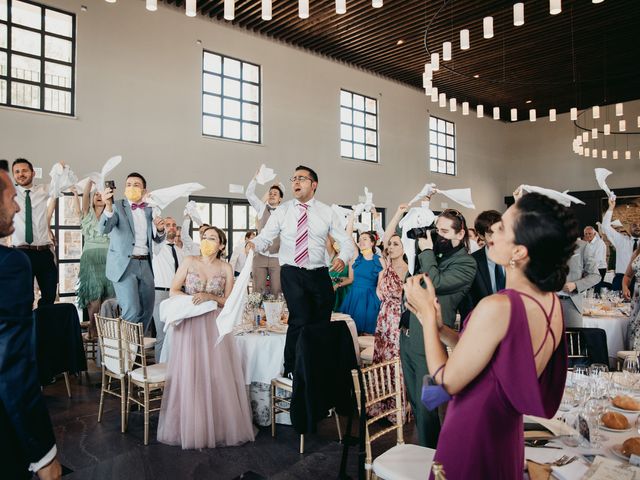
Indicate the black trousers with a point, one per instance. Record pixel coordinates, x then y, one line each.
309 295
44 269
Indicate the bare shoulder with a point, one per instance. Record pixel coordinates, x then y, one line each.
226 268
493 311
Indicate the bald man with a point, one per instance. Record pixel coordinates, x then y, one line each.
596 249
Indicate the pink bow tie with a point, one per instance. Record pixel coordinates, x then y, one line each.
135 206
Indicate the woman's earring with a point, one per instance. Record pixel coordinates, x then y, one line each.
512 263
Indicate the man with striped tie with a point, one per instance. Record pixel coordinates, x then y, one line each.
303 225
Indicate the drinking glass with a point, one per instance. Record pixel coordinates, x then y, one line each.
631 368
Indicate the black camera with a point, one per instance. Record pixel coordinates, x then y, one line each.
110 184
420 232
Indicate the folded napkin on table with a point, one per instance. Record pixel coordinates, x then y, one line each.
542 455
572 471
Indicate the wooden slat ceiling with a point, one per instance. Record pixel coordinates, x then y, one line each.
589 54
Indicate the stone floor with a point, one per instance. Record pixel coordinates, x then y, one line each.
93 450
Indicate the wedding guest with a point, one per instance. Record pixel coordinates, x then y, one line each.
303 225
337 278
362 302
27 441
624 244
266 263
633 272
443 256
93 285
475 241
167 257
582 275
239 255
132 231
597 249
31 233
205 402
511 357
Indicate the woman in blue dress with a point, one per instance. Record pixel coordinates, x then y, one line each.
362 302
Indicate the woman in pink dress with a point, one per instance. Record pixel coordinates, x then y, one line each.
205 402
511 357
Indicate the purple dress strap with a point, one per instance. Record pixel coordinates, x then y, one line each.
548 316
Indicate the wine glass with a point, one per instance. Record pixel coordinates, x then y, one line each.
630 368
597 369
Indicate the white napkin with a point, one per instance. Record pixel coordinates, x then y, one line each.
231 314
191 209
542 455
164 196
175 309
265 174
616 223
416 217
557 427
601 176
62 178
98 178
235 188
573 471
459 195
561 197
343 214
426 191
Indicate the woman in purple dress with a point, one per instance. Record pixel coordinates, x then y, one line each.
511 357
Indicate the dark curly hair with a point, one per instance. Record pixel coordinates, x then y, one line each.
549 231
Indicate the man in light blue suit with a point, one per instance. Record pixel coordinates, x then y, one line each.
131 230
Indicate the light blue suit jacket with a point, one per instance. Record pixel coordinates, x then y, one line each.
120 229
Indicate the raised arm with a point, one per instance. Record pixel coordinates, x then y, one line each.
86 198
254 201
614 237
393 223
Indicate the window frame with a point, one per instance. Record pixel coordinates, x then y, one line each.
353 126
222 97
433 147
41 58
58 229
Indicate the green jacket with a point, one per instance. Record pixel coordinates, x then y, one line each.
452 279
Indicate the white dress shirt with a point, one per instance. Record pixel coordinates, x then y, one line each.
238 257
622 243
189 247
139 230
164 265
44 461
39 198
321 221
260 207
597 250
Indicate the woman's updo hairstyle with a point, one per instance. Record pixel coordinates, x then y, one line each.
549 231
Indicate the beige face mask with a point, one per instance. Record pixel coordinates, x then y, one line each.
133 194
207 248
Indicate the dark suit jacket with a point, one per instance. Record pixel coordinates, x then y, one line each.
481 286
26 434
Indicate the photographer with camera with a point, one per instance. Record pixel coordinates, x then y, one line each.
444 258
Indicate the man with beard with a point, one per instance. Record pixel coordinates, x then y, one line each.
167 257
624 244
445 259
27 443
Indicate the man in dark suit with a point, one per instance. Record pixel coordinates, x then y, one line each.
27 443
490 277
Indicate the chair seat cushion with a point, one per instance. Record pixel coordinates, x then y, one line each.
155 373
366 341
367 355
404 462
149 342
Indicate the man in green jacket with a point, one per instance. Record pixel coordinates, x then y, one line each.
452 270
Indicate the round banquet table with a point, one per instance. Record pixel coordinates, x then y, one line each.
616 329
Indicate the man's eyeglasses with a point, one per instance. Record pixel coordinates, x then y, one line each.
299 179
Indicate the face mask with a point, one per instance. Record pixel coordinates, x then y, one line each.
207 247
441 245
433 395
133 194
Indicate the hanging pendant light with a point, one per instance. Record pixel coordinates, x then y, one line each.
496 113
594 153
555 7
607 129
597 1
435 61
442 100
152 5
619 109
446 51
428 70
480 111
453 105
552 115
594 133
434 94
190 9
587 151
622 125
615 154
229 9
303 8
487 27
426 81
376 3
627 155
603 154
110 1
266 9
514 114
341 6
574 113
465 108
579 140
639 121
596 111
581 151
464 39
585 136
518 14
532 115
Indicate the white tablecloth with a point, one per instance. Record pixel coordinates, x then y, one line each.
615 328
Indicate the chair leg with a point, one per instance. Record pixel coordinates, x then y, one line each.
66 382
273 410
123 401
128 408
102 387
338 425
301 444
146 414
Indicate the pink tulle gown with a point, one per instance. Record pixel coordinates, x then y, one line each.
205 402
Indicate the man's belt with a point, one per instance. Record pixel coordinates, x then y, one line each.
139 257
38 248
162 289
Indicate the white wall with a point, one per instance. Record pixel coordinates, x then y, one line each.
138 94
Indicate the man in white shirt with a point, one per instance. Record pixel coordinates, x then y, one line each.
303 225
31 233
625 245
597 249
167 257
239 255
131 231
265 263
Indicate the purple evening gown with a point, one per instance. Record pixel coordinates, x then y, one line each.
482 435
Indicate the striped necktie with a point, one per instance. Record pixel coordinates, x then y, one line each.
302 237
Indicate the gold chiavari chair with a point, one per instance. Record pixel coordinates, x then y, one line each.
576 349
438 471
381 382
145 380
112 359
